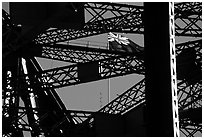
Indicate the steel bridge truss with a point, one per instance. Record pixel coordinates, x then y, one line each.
131 99
69 75
135 96
127 19
76 54
188 19
121 18
189 96
196 44
117 66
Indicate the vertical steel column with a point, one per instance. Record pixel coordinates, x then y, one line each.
159 116
173 70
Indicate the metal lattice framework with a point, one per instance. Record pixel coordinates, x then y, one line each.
189 96
103 18
189 99
120 20
31 116
135 95
196 44
124 102
68 75
73 54
22 123
128 20
188 17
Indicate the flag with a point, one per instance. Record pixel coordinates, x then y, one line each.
121 43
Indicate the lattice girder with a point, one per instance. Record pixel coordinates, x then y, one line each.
68 75
76 54
187 22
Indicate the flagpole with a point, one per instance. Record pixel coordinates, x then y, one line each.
108 80
108 90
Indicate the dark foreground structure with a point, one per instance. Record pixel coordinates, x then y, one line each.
166 102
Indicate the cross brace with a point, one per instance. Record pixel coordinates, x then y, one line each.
187 22
69 75
117 66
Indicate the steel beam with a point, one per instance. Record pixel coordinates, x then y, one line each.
159 111
68 75
130 23
196 45
107 68
76 54
187 21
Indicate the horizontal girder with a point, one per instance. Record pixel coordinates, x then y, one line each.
69 75
188 19
187 22
103 10
76 54
117 66
129 23
185 9
196 44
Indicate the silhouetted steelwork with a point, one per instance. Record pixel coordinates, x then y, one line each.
69 75
6 22
31 116
122 18
187 20
189 110
196 44
73 54
124 102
